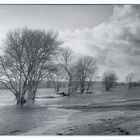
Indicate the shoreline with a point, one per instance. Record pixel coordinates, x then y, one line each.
72 116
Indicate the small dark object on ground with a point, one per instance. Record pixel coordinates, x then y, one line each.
127 133
90 92
70 129
14 131
24 101
59 134
102 119
123 131
62 93
46 97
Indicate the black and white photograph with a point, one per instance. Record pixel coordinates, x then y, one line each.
69 69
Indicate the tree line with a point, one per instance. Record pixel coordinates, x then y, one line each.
30 56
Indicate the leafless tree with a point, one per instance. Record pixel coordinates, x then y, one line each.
56 77
65 61
92 74
75 77
26 60
86 70
109 79
129 78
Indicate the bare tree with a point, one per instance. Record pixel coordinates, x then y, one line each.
92 73
56 77
26 60
109 79
129 78
37 77
75 77
86 69
65 61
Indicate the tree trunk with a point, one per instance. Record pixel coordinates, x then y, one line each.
130 85
107 86
32 94
20 100
69 87
76 84
32 97
88 86
82 87
57 86
32 91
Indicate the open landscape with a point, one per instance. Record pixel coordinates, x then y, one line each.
69 70
106 113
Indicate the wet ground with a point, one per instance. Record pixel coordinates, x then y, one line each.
57 120
33 119
75 115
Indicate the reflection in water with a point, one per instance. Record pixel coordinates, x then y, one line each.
16 120
7 98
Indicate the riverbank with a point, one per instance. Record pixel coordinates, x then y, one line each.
109 113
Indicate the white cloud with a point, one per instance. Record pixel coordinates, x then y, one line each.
115 43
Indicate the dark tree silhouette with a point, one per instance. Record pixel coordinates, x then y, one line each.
65 61
109 79
86 70
26 60
129 78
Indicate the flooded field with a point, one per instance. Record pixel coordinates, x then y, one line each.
75 115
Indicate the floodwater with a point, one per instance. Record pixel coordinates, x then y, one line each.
8 98
30 119
47 117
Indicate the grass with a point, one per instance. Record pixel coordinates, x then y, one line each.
79 114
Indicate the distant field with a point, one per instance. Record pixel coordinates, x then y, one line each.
99 95
121 93
67 115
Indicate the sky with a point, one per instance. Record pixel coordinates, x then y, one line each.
110 33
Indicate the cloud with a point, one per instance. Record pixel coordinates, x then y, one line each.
115 43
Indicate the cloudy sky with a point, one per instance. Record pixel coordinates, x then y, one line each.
111 33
